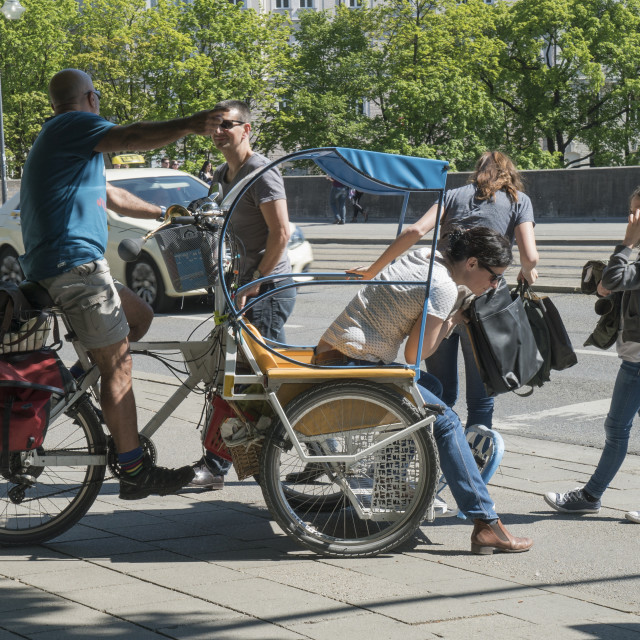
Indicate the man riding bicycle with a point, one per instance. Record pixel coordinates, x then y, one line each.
64 196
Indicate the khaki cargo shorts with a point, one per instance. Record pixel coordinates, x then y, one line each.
89 297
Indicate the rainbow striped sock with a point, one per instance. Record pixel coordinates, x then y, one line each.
131 461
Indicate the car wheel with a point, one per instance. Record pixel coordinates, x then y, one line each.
10 270
144 279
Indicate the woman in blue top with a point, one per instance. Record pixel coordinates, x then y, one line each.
494 199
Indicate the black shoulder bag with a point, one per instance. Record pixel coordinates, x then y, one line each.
503 342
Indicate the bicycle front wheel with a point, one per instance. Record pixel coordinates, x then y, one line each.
361 508
38 503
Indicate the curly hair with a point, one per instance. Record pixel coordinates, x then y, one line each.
495 171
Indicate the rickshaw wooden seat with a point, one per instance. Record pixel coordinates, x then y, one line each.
281 370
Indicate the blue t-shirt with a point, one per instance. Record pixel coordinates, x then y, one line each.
63 196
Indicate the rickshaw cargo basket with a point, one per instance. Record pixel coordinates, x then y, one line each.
191 256
28 332
246 457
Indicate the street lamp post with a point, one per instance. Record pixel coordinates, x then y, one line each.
12 10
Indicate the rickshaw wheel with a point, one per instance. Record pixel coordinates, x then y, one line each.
358 509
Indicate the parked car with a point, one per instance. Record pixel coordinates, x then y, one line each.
148 275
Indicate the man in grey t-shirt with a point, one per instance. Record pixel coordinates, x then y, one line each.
260 220
260 223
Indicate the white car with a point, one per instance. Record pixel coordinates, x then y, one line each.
148 275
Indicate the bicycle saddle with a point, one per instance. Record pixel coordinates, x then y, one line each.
36 294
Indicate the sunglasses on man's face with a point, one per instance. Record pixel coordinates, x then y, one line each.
228 124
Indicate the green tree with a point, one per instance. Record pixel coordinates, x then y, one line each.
414 64
431 101
569 73
239 54
32 49
326 82
178 58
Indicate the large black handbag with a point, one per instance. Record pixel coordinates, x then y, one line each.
503 342
562 355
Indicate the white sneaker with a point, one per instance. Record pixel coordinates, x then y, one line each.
439 507
633 516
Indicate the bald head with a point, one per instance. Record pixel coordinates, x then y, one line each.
69 89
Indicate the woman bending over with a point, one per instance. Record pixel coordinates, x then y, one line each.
374 324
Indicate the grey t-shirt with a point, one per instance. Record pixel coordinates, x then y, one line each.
378 319
462 209
247 222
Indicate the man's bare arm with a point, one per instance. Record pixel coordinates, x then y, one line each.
276 216
142 136
125 203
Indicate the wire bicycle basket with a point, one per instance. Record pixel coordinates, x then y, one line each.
191 256
29 331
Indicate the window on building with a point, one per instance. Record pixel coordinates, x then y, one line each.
355 4
282 4
306 4
361 107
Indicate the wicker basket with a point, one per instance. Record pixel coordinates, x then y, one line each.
191 256
246 458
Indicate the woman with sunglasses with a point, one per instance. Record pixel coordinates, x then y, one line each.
380 317
493 198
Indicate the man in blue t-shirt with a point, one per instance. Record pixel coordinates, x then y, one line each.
64 196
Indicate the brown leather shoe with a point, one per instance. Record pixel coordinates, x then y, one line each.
486 538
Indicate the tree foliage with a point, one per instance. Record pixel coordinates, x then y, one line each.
32 49
570 74
436 78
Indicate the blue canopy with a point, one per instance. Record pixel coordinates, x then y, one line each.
368 171
374 172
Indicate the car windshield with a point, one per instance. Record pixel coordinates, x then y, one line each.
164 190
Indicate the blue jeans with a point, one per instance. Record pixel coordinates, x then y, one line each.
625 403
270 315
338 201
456 459
443 364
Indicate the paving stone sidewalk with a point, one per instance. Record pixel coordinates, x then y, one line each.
212 565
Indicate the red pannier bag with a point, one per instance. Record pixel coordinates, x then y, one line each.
27 382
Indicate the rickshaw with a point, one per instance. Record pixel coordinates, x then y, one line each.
364 430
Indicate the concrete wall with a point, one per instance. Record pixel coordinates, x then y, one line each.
556 194
13 186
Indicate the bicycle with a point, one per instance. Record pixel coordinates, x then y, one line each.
366 429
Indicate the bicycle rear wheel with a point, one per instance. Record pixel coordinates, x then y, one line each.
358 509
40 503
